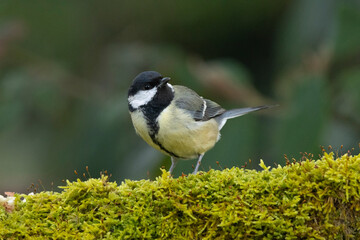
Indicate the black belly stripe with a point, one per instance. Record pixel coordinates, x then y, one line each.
153 137
152 110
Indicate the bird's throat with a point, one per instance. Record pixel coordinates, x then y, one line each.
153 108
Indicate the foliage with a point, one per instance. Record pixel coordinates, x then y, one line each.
316 199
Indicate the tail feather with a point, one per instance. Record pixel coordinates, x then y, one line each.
233 113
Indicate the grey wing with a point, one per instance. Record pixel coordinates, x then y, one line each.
200 109
212 109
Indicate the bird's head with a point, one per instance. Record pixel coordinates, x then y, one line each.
144 88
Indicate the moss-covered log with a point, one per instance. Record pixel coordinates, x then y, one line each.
317 199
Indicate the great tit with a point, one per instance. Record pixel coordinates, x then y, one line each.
174 119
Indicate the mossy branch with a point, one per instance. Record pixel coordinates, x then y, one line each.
309 199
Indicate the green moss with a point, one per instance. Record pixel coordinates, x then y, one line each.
309 199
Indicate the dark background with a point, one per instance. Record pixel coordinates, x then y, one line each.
65 67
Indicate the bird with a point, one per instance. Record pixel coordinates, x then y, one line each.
175 120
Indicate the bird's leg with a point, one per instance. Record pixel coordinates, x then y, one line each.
198 163
173 164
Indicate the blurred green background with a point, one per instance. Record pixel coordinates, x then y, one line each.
65 67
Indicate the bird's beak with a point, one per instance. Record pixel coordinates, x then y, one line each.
164 81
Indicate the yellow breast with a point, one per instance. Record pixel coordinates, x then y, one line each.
179 133
141 128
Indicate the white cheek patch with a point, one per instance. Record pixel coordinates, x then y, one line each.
142 97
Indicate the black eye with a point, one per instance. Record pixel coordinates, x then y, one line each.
147 86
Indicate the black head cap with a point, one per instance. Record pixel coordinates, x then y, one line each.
145 81
150 92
